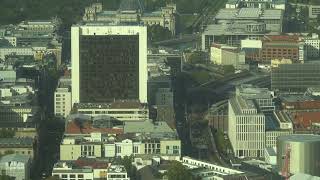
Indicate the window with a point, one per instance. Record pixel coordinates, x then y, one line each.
72 176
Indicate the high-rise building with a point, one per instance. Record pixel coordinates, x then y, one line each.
108 63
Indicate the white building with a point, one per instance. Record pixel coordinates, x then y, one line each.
62 98
211 171
121 110
109 84
117 172
270 4
314 11
312 46
95 146
227 55
16 165
20 51
246 120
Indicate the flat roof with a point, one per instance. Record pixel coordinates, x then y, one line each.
15 157
16 142
249 13
120 104
300 138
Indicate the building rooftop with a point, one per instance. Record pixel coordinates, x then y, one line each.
252 92
16 142
147 126
249 13
296 98
15 157
119 104
87 126
300 138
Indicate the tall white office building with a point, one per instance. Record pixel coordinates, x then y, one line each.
109 62
247 121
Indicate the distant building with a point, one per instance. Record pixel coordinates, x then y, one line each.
295 77
265 4
116 69
253 123
121 110
62 98
277 47
227 55
312 45
154 84
22 146
233 25
89 169
275 62
314 11
132 11
7 74
100 145
208 170
16 165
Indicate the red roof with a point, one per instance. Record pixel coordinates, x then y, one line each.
86 128
305 119
92 163
286 38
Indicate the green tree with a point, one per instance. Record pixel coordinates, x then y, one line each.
197 57
177 171
158 33
131 170
4 133
5 177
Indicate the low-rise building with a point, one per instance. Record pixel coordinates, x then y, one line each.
227 55
23 146
314 11
62 98
312 45
16 165
99 145
89 169
209 170
125 110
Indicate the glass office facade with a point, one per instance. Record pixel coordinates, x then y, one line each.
109 68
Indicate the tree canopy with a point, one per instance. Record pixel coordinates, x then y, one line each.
177 171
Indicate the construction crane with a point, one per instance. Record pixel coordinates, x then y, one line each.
286 168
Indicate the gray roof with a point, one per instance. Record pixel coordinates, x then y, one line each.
249 13
15 157
300 138
147 126
16 142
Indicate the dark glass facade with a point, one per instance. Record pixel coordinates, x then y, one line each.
295 77
109 68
